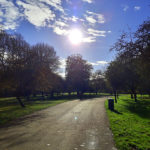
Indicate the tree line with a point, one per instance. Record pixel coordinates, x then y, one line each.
130 71
27 70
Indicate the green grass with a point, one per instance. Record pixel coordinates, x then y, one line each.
10 109
130 123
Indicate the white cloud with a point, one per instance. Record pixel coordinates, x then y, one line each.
136 8
31 10
9 14
37 12
102 62
61 71
60 26
74 18
1 13
89 39
62 74
54 3
60 23
93 18
99 63
60 31
93 34
125 7
93 64
50 13
88 1
96 33
67 18
62 63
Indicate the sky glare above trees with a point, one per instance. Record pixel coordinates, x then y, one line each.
50 21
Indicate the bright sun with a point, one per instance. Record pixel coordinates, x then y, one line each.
75 36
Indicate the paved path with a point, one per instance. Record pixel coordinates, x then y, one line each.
74 125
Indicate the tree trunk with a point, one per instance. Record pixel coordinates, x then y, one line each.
134 93
135 97
28 98
131 95
34 94
141 95
115 93
52 94
81 95
43 96
20 102
69 93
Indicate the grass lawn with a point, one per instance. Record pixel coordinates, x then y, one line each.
130 123
10 109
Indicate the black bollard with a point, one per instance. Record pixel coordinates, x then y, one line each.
111 104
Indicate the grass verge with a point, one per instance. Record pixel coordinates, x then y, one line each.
10 109
130 123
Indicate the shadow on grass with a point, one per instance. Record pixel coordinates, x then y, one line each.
87 97
14 102
141 108
117 112
23 120
67 97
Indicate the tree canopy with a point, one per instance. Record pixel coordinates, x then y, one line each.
78 73
130 70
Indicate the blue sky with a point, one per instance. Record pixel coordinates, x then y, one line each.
50 21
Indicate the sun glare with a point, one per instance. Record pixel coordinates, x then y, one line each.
75 36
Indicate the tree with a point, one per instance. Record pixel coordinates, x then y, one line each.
24 69
135 48
130 75
58 84
44 63
114 77
122 73
4 79
13 56
78 73
97 81
142 42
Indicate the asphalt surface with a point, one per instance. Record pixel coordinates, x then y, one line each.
74 125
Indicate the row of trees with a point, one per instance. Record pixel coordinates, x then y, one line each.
130 71
29 70
25 69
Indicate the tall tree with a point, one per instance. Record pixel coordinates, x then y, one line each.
78 73
25 69
97 81
114 77
13 57
44 63
142 36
